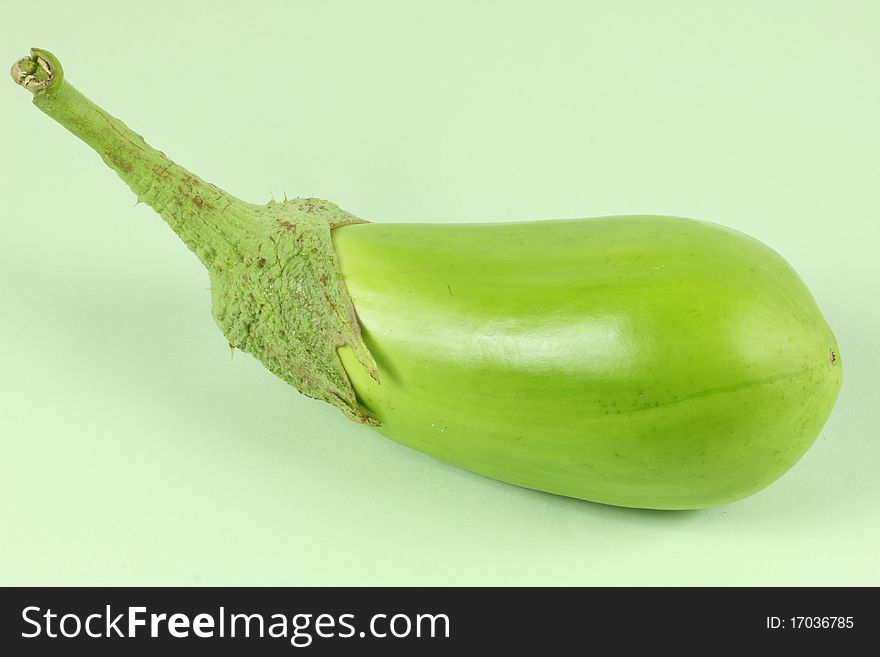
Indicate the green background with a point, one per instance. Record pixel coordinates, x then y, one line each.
136 451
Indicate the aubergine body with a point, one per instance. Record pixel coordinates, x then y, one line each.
639 361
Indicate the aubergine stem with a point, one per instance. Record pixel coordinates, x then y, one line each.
277 291
172 191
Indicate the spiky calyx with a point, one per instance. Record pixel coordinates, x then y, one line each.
284 301
277 291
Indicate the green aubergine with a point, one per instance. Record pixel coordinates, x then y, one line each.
640 361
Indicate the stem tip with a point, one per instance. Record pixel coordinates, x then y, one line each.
38 73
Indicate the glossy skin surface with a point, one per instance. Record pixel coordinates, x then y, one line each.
651 362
